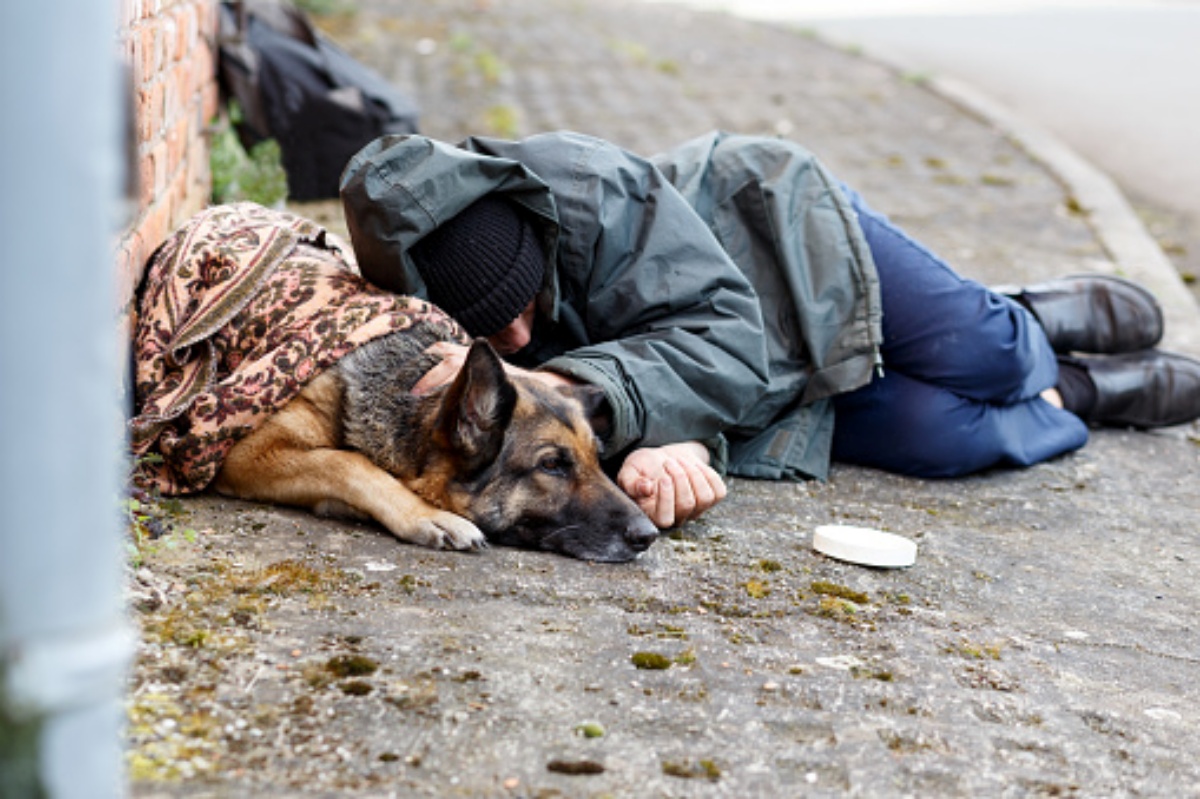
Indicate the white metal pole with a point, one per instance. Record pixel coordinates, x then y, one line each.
64 642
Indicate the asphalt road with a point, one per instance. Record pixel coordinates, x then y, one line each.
1118 82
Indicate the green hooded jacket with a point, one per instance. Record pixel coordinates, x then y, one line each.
720 292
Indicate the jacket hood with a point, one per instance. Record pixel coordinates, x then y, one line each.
398 189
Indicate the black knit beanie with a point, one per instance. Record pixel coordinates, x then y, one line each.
483 266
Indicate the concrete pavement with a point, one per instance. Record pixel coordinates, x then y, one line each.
1043 644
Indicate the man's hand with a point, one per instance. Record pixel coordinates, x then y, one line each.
671 484
455 355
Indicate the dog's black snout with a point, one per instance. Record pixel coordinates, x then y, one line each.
640 534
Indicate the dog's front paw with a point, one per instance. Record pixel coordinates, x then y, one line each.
445 530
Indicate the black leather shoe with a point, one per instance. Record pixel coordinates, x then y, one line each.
1093 313
1143 389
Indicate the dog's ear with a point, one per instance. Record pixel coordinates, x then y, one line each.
478 407
595 406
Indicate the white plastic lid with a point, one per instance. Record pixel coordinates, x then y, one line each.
864 546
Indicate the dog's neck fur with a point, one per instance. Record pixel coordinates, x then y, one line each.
377 381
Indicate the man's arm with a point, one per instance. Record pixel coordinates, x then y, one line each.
672 330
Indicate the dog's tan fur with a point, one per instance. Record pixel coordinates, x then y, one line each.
294 459
489 457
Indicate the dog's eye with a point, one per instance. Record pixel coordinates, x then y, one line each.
557 464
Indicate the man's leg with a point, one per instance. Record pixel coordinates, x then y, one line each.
949 331
906 426
946 331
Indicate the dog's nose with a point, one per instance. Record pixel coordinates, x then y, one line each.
640 534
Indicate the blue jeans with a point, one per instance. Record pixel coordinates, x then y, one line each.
963 368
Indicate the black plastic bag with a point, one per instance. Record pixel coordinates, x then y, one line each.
296 86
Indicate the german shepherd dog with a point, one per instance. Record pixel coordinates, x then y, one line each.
490 457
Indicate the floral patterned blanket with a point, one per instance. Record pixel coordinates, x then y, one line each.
239 309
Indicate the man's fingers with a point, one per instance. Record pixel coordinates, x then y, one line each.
702 490
714 486
707 489
644 488
445 349
719 487
685 496
453 356
439 375
664 505
634 482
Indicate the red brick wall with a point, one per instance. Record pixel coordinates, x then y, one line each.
170 47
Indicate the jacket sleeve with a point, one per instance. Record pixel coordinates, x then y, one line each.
675 332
